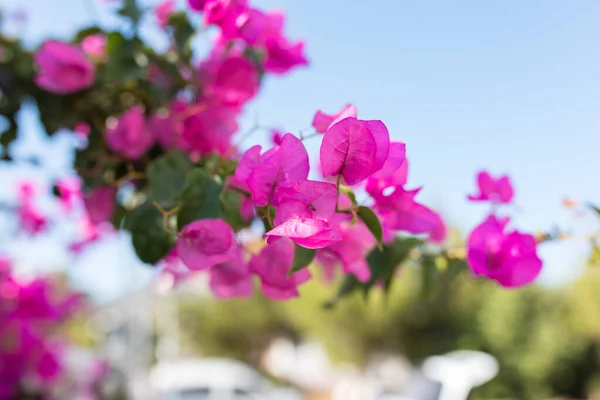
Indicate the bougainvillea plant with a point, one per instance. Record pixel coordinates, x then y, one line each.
164 124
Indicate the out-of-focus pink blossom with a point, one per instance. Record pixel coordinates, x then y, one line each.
235 82
231 279
399 211
509 258
129 134
100 203
276 137
350 253
63 68
31 219
205 243
95 46
495 190
172 265
283 55
163 12
210 128
197 5
82 129
69 190
272 266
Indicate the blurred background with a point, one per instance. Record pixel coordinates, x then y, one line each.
508 86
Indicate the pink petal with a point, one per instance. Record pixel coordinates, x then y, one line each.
272 266
205 243
283 167
504 189
349 149
231 279
395 160
319 197
382 140
322 122
309 233
291 209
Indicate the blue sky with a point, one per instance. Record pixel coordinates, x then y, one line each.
508 86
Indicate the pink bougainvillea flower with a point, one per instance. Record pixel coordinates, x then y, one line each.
166 126
100 203
276 137
509 258
205 243
82 129
88 233
26 191
354 149
399 211
439 233
357 241
223 13
69 190
235 82
306 198
307 232
5 266
31 219
231 279
396 158
210 128
399 177
163 12
129 135
254 26
283 56
197 5
63 68
272 266
281 166
495 190
172 266
322 122
95 46
249 161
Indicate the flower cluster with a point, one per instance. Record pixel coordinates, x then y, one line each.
92 211
507 257
32 354
320 216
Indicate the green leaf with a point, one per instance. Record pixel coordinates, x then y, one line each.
150 240
231 201
200 198
372 222
383 264
167 177
118 216
347 190
131 11
302 258
121 66
183 31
